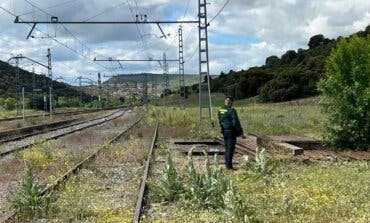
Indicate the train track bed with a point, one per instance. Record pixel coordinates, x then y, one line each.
181 209
107 189
52 158
287 190
294 147
38 120
13 146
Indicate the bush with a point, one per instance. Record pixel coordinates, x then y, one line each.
170 186
346 94
205 190
10 103
27 201
64 102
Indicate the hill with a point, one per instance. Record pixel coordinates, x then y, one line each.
291 76
190 79
8 84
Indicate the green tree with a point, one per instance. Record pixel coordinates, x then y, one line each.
346 94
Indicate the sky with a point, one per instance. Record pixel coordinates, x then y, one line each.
242 35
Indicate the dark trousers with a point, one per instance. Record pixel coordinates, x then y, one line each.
230 140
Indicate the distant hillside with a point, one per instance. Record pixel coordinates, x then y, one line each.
8 83
190 79
293 75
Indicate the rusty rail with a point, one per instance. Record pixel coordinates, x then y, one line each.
141 195
60 113
5 153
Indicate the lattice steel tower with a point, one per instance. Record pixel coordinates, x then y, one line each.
181 68
205 103
166 79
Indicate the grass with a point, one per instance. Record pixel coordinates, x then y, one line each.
292 192
13 113
264 119
314 192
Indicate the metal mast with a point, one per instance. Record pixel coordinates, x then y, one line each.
50 75
145 90
99 85
33 87
18 85
205 103
166 81
181 68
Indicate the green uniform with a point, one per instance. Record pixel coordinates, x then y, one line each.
230 128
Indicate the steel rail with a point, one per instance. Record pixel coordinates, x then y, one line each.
5 153
21 133
60 113
141 195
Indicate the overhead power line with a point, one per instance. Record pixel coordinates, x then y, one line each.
104 11
50 7
219 11
56 40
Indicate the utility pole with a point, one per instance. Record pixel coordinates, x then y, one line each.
99 85
181 68
154 87
166 81
50 74
18 84
145 90
33 87
205 102
80 85
20 56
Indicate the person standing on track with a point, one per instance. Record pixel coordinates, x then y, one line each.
230 129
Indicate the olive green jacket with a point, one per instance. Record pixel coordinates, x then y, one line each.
229 121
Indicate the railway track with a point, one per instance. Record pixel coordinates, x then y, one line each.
75 169
20 133
143 183
54 133
297 147
59 113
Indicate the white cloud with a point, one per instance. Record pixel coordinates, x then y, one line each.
272 26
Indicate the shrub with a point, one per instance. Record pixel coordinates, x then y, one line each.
205 190
27 201
236 208
10 103
170 186
346 94
64 102
260 167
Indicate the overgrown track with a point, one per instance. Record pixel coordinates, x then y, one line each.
11 217
59 113
141 195
74 127
297 147
20 133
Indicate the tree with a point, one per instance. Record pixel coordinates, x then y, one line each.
346 94
316 40
272 61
